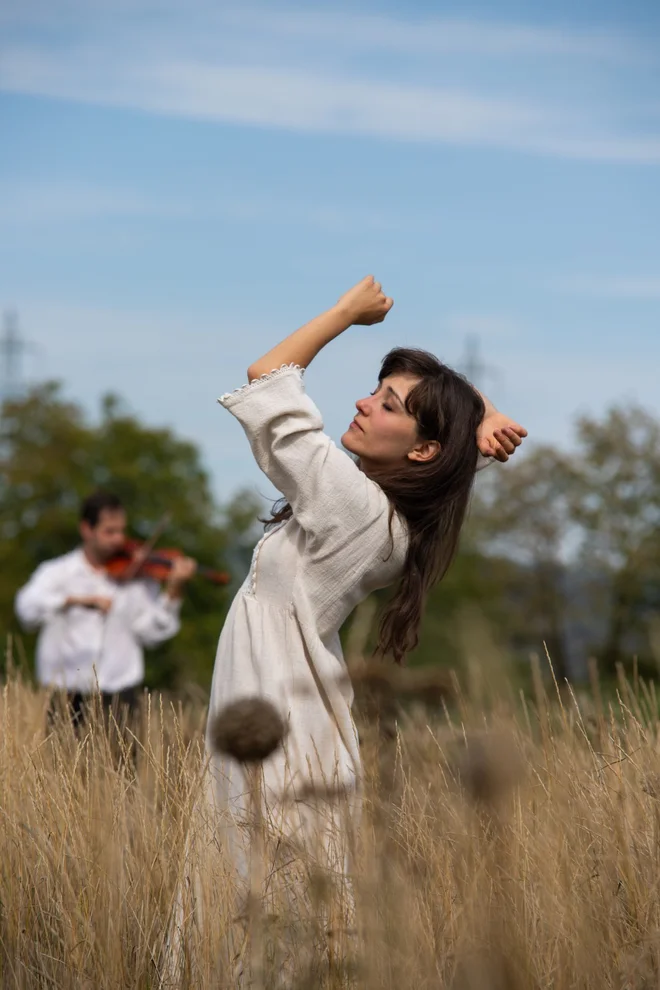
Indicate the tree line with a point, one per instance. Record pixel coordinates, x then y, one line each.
561 550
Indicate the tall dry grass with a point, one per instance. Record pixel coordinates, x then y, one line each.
502 845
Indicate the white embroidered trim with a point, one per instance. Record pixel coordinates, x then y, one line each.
264 378
254 565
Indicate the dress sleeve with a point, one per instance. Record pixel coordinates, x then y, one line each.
326 490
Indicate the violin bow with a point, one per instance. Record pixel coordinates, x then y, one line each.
147 546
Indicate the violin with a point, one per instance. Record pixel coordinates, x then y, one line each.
125 564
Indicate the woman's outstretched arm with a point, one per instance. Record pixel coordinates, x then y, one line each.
364 304
499 435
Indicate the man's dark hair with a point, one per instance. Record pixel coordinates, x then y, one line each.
93 506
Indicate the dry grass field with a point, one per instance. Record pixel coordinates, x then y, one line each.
503 845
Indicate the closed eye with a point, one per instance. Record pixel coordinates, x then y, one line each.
386 405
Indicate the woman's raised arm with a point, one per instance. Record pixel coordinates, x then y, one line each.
363 305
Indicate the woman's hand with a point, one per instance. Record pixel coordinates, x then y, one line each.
366 303
498 436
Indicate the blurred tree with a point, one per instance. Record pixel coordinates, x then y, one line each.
476 587
554 542
617 505
523 513
479 586
581 536
51 457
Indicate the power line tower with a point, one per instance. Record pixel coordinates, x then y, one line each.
12 348
472 366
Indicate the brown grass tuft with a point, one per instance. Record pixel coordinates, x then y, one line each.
517 849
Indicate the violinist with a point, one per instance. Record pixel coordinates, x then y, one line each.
93 626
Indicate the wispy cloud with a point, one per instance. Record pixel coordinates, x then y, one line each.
342 73
344 29
436 36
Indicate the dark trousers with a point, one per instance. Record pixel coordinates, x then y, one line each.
122 704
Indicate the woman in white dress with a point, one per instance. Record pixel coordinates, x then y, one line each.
390 513
351 525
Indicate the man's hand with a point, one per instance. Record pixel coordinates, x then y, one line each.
183 568
498 436
98 602
366 303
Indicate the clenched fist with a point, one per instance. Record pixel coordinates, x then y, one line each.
366 303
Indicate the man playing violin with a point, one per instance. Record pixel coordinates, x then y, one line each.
93 628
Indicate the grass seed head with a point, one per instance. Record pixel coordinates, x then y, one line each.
488 766
249 730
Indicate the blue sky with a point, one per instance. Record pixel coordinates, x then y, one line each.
182 185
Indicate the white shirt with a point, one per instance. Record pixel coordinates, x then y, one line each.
81 648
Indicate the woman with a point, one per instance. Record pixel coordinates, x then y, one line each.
349 526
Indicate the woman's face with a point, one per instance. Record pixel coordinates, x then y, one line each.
383 433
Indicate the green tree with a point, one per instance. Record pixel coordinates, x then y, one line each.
481 589
524 514
584 528
52 455
477 587
617 505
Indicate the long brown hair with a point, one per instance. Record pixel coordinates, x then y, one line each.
432 496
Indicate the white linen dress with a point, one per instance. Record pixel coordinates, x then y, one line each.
281 642
281 637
